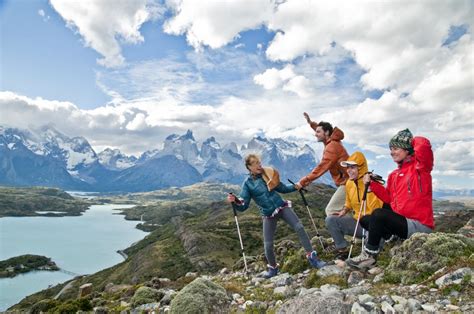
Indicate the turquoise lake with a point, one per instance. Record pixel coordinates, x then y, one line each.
81 244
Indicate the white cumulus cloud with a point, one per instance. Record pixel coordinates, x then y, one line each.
104 24
215 23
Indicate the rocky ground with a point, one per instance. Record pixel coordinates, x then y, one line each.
425 274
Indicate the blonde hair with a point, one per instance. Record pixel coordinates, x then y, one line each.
248 159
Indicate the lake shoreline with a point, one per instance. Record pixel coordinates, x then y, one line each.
86 244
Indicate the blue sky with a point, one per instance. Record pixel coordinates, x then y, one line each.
44 58
126 75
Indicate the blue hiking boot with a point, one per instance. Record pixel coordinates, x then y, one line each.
272 272
314 260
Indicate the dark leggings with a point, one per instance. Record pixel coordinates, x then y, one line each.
383 223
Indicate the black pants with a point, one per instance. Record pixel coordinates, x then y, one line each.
383 223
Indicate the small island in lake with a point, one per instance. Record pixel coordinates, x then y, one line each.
25 263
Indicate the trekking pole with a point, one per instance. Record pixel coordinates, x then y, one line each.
238 231
363 230
363 206
310 216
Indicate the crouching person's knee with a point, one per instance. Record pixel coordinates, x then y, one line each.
331 221
379 214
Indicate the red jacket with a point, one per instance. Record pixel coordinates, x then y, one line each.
409 188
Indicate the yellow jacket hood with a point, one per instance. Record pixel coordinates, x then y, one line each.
359 158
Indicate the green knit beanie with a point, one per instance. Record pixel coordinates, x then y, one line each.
402 140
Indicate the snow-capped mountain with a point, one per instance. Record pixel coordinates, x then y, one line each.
218 163
28 159
292 161
149 154
114 159
48 157
183 147
73 153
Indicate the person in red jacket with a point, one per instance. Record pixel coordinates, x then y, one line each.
408 191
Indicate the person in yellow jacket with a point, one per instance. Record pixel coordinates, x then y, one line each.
342 223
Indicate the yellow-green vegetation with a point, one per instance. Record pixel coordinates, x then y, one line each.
201 296
261 294
316 281
235 286
145 295
19 202
295 262
54 306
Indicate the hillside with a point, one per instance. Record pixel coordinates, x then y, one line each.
191 236
39 201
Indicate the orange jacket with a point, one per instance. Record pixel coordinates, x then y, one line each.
333 154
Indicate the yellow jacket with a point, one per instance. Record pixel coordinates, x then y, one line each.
355 189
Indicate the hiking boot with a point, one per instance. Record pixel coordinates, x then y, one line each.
372 250
342 254
363 261
314 260
272 272
330 248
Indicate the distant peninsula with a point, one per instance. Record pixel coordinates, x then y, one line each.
39 201
25 263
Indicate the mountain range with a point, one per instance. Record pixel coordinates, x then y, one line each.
47 157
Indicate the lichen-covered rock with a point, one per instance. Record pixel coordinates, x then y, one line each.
314 304
282 280
145 295
455 277
423 254
355 278
330 271
201 296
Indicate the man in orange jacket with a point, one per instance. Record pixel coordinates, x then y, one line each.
334 153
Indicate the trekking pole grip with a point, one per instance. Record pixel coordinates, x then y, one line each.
233 208
301 193
366 189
